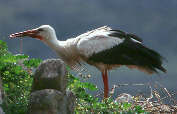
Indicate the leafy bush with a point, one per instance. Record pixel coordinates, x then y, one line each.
15 71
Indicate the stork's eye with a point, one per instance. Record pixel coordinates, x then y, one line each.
40 29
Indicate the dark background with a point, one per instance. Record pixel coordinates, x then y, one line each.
155 21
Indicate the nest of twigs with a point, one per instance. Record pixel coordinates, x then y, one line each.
155 102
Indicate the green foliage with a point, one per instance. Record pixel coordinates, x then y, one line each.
86 103
32 62
79 88
17 79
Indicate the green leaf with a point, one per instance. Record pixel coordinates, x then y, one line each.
21 56
89 86
126 105
139 109
32 62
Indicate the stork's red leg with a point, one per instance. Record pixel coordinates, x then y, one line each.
105 81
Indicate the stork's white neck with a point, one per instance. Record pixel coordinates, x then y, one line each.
55 44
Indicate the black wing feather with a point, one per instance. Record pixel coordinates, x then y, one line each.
130 53
122 34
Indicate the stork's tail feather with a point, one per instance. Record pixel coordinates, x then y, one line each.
152 59
162 69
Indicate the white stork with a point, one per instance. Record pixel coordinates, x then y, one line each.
103 48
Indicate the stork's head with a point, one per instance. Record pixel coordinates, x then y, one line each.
44 33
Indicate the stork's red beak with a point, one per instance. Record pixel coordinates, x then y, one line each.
31 33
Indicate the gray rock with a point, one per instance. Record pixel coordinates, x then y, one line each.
70 100
47 101
49 95
124 97
1 111
51 74
50 101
